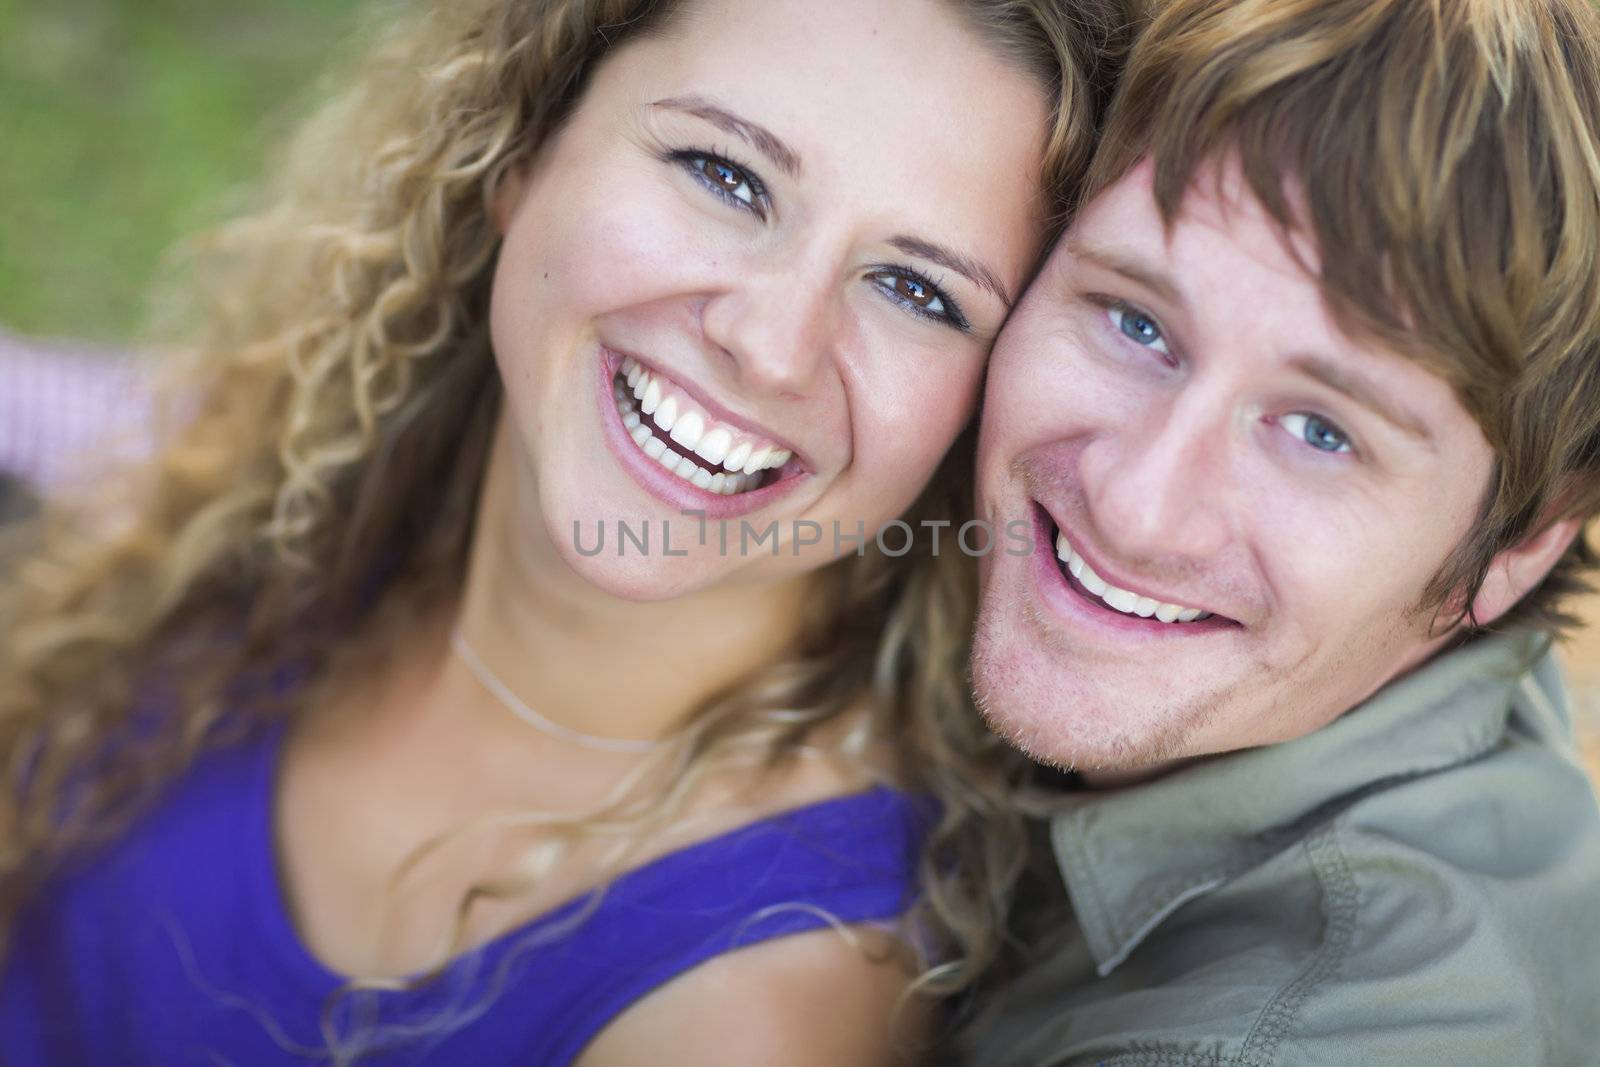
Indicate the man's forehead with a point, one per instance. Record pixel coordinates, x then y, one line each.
1219 210
1226 262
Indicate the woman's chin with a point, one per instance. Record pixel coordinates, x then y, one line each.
643 560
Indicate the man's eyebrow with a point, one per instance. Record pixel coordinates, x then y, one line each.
753 134
1325 370
1364 392
966 266
1149 277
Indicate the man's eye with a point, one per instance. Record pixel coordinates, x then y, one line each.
1316 431
1138 326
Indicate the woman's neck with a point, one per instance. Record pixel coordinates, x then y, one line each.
589 660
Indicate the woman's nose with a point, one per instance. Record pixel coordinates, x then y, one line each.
776 326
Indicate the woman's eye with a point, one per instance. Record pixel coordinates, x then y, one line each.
919 295
1139 327
728 178
725 179
1316 431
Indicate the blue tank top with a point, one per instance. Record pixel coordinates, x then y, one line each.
175 947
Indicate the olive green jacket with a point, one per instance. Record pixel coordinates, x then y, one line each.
1417 883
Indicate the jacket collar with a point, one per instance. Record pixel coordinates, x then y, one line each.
1132 856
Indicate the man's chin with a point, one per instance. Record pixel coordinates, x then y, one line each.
1056 742
1072 729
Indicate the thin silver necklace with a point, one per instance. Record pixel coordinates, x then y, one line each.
502 693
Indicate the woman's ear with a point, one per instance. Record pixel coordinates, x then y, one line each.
1519 568
508 195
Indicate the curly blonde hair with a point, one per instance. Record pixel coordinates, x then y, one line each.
339 385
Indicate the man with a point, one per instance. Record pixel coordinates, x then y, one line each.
1305 409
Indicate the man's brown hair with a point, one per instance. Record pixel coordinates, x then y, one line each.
1445 157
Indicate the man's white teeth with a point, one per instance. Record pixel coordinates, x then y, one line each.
645 398
1121 599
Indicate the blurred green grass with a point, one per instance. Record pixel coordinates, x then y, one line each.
126 124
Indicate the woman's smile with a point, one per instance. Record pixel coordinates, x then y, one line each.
669 426
686 450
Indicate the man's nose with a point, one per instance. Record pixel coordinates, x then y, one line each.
1158 485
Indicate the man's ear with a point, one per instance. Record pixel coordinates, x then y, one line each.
508 195
1520 568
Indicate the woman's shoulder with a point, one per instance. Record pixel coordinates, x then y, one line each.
797 958
790 910
833 995
192 829
120 925
859 850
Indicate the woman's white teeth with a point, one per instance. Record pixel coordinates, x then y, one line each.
1121 599
757 460
713 447
694 431
735 459
666 415
688 430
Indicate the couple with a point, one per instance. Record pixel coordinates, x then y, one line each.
339 745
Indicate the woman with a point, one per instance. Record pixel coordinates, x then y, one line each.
351 696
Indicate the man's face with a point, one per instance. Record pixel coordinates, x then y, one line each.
1194 438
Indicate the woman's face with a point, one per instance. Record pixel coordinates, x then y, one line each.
795 229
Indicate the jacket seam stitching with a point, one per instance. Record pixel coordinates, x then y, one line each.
1339 902
1157 1058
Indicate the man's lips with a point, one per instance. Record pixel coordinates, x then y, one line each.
1130 604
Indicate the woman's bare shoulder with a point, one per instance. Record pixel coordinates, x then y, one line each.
830 996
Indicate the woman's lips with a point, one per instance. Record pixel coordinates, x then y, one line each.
673 429
644 447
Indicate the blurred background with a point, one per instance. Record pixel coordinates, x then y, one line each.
127 124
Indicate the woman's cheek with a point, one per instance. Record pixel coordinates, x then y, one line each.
611 242
905 421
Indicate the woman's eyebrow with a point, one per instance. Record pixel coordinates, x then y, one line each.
753 134
965 266
787 159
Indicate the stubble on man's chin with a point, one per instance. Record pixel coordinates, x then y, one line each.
1025 712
